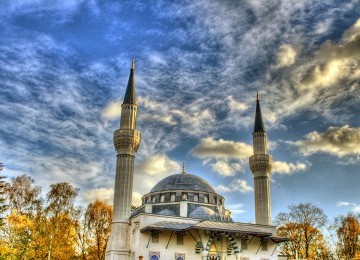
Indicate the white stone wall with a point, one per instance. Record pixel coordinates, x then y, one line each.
140 245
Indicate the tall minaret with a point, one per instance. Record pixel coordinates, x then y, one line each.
126 142
260 165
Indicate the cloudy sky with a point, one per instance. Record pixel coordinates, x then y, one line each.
64 67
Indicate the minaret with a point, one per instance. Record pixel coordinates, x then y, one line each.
260 165
126 142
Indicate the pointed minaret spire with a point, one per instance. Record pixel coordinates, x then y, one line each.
129 97
259 125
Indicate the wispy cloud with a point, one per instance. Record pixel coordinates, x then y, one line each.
232 157
226 169
237 185
285 57
354 207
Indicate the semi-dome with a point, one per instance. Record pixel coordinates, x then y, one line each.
183 181
204 213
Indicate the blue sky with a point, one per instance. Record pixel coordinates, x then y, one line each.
64 67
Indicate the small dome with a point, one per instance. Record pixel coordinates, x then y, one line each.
183 182
204 213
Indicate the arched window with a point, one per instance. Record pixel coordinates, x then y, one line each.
184 196
162 198
153 199
196 198
206 199
154 255
180 257
172 198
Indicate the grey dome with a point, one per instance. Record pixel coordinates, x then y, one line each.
183 181
204 213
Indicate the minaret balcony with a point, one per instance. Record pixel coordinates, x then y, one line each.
127 132
260 163
127 141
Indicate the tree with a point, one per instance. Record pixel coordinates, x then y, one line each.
348 232
3 206
61 220
302 226
98 217
23 195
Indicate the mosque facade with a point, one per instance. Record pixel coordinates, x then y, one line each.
183 217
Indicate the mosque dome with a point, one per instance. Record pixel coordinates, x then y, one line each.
204 213
183 181
184 195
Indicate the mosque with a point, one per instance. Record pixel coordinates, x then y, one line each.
183 217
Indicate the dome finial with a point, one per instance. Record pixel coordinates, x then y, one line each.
183 168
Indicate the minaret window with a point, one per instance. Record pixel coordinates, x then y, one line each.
162 198
153 199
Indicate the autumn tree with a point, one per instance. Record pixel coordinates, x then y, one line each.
302 226
98 218
61 217
23 195
3 206
17 235
348 232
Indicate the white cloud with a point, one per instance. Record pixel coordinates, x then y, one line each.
354 207
112 111
339 141
236 208
136 199
100 193
285 57
222 188
210 148
226 169
166 119
150 171
236 106
288 168
237 185
344 203
158 164
157 59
